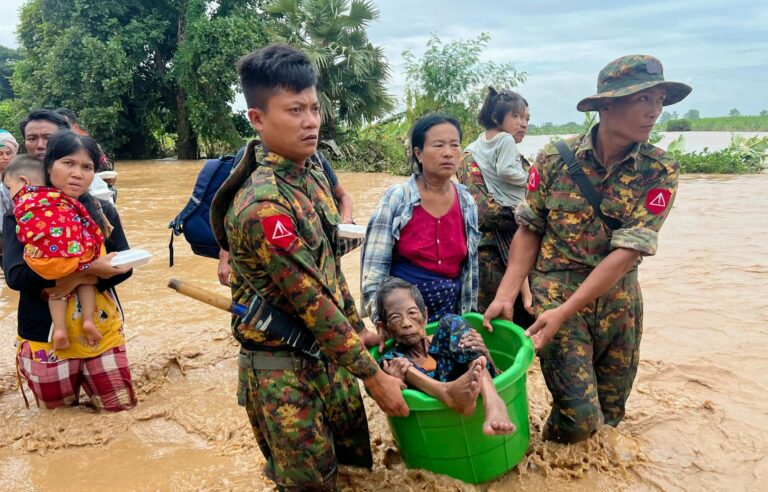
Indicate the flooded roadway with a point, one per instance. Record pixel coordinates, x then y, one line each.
697 418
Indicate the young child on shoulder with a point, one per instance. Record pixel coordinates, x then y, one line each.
59 238
453 365
496 155
495 150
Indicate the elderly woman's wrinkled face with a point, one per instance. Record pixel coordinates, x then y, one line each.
404 322
73 174
6 154
441 153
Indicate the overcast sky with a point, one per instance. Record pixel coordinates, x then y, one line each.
718 47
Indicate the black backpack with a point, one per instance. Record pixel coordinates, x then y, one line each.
194 219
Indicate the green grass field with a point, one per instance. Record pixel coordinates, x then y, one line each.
731 124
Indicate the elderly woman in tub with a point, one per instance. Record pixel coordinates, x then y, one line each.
453 365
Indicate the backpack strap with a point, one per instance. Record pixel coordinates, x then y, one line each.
587 188
227 191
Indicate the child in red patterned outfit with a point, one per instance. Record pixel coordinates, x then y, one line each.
59 238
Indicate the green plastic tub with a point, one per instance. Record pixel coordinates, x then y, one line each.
438 439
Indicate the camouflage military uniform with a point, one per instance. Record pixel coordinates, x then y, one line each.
497 226
280 230
591 363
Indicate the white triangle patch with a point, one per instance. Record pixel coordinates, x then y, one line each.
659 201
280 231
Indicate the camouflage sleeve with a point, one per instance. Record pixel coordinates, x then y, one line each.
291 265
641 231
532 213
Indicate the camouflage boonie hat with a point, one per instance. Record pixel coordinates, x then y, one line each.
630 74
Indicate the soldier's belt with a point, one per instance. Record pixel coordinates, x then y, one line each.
274 361
578 276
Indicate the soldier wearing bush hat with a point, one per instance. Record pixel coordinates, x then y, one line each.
629 75
583 257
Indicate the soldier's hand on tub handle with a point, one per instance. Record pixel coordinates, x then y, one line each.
499 308
543 330
388 393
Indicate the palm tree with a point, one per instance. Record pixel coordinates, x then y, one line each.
351 70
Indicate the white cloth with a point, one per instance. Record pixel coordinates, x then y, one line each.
502 167
100 190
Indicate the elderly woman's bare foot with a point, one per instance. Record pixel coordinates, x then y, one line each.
497 421
461 394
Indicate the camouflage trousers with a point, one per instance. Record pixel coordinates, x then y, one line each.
306 420
491 270
591 363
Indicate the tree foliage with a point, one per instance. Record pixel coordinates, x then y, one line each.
137 70
352 71
204 66
452 78
692 114
8 57
681 125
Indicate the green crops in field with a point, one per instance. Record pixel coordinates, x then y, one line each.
731 124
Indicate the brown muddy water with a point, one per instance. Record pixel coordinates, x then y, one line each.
697 418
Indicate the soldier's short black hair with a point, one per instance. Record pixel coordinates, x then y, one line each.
27 165
496 106
70 115
391 284
419 133
43 114
277 66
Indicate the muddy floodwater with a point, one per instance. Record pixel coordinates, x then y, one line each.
697 418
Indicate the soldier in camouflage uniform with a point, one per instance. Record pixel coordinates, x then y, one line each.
584 279
277 218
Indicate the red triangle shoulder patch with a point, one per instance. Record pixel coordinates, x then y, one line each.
278 230
533 179
657 200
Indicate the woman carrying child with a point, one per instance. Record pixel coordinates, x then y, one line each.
55 376
59 238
